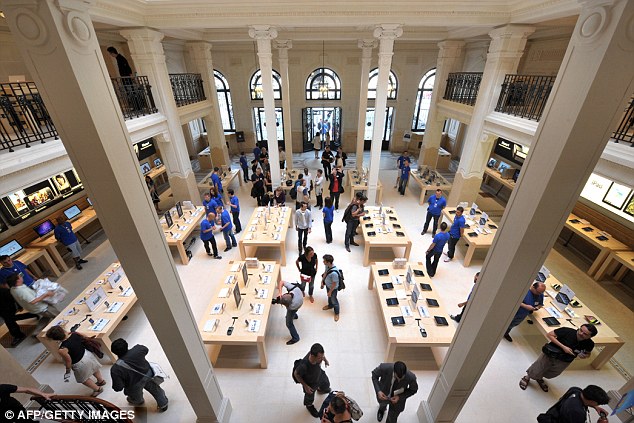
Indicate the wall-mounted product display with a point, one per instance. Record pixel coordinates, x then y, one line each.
144 149
511 151
610 195
19 205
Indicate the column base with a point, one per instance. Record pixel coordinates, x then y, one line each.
464 189
223 416
424 413
429 157
184 188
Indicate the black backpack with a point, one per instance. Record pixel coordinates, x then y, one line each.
296 363
339 272
293 191
347 215
552 415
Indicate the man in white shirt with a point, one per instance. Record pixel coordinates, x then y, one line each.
304 224
319 188
27 298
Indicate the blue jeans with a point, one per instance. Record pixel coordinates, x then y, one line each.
135 392
290 324
230 240
516 321
333 302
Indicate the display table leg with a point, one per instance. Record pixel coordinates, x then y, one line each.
604 356
604 268
469 256
57 257
262 353
243 253
50 264
408 250
214 352
621 273
391 351
283 253
603 254
51 346
106 344
182 253
366 254
371 281
380 194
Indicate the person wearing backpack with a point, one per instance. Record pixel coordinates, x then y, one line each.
330 279
293 301
353 213
339 408
393 384
309 373
573 406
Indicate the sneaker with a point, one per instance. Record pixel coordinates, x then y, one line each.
529 321
162 409
454 318
227 249
313 411
78 266
336 317
134 403
210 254
292 341
83 261
217 257
348 249
354 243
447 260
234 245
508 337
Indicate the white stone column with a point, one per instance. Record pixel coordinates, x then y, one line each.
594 83
263 34
450 58
282 46
200 61
386 34
59 47
366 47
147 53
505 52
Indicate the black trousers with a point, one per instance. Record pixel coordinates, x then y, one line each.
320 200
328 229
302 233
213 245
323 384
236 221
11 321
327 169
432 265
335 199
451 248
435 225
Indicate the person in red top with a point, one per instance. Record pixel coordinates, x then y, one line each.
336 185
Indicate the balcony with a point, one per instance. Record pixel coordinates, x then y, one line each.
187 88
23 116
525 96
462 87
135 96
625 131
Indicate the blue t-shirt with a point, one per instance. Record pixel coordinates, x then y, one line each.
64 233
401 161
234 200
436 205
209 206
440 239
458 223
216 180
205 225
18 267
405 173
224 218
216 202
530 299
243 161
257 152
328 214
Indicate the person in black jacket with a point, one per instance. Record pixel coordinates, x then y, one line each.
132 373
573 406
393 384
122 62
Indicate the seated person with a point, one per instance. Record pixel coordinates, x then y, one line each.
279 197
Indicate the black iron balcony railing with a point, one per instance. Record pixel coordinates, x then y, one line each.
525 96
76 409
625 130
135 96
187 88
462 87
23 116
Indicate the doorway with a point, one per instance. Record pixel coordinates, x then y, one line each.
369 129
324 120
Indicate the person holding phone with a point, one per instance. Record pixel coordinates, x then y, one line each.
533 300
393 384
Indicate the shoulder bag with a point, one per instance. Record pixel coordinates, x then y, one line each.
158 377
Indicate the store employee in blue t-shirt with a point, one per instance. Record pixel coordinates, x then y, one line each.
215 179
207 227
403 177
64 233
533 300
436 204
455 233
435 249
10 267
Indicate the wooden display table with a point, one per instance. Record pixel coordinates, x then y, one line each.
356 184
37 256
265 277
444 159
51 244
267 228
480 242
497 176
409 335
621 260
78 312
439 182
606 337
391 235
182 229
226 180
577 225
204 159
158 173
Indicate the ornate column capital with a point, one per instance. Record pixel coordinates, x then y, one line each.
283 44
450 48
262 32
388 31
367 44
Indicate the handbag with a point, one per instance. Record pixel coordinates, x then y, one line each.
93 346
552 351
158 377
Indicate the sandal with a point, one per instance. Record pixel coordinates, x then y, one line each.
97 392
524 382
102 383
542 385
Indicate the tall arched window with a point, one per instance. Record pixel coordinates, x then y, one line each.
323 84
423 100
392 85
256 85
224 102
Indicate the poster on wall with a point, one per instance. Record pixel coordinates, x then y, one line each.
616 195
144 149
512 151
629 206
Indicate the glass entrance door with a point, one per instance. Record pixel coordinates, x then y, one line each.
321 120
369 128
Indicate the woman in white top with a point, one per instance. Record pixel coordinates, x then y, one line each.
319 188
317 144
309 180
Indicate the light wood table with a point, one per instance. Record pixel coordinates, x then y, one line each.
388 234
158 173
480 242
444 159
226 180
241 334
621 260
78 312
606 338
497 176
182 229
439 182
409 335
356 184
266 230
35 257
51 244
576 225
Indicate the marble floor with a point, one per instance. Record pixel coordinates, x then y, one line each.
355 344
